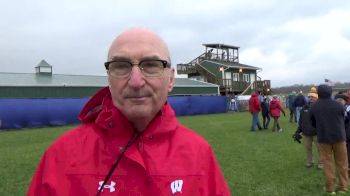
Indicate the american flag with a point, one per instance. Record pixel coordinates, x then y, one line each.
329 82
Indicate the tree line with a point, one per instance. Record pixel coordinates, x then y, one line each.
306 88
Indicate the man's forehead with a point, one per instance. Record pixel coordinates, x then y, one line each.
128 57
136 51
139 36
140 43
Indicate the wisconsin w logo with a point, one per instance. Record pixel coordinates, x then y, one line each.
176 186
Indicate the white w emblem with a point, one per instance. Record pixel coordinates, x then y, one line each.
176 186
106 186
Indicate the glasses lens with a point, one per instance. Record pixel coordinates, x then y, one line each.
152 67
120 68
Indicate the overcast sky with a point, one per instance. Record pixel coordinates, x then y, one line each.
294 42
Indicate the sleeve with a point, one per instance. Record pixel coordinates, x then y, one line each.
217 184
299 130
280 107
347 125
312 117
47 177
257 103
37 186
294 102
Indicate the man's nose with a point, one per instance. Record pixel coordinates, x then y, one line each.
137 79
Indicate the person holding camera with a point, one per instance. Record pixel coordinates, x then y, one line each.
308 132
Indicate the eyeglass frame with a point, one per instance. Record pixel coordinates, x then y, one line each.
165 64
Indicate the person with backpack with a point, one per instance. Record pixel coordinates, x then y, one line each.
308 131
265 108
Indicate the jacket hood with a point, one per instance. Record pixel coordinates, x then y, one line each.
94 106
101 111
274 103
254 94
324 91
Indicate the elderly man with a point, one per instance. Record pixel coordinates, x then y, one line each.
130 142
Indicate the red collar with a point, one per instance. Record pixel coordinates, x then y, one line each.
101 111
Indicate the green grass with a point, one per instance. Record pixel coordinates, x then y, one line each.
260 163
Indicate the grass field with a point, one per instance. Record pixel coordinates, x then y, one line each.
260 163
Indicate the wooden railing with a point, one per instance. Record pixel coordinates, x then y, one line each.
232 85
186 69
240 86
262 85
190 68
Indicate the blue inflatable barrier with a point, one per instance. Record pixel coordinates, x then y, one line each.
192 105
21 113
180 105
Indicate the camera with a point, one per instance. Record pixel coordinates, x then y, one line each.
297 137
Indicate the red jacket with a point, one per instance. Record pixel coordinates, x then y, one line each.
254 103
275 108
167 159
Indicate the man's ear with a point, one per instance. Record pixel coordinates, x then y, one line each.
171 79
109 82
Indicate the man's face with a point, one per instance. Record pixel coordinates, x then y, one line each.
342 101
138 97
312 99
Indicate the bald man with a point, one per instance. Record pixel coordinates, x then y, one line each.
130 142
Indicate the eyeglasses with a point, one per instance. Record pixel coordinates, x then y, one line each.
149 68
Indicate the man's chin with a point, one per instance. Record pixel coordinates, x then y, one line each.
137 113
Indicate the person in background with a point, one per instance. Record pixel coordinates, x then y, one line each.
342 99
327 116
275 112
290 105
254 109
233 106
299 102
308 131
130 142
265 106
348 94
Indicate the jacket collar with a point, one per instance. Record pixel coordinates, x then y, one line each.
101 111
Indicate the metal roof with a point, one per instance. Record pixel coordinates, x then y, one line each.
186 82
57 80
43 63
218 45
232 64
32 79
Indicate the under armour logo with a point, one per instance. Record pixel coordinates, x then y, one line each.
176 186
106 186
